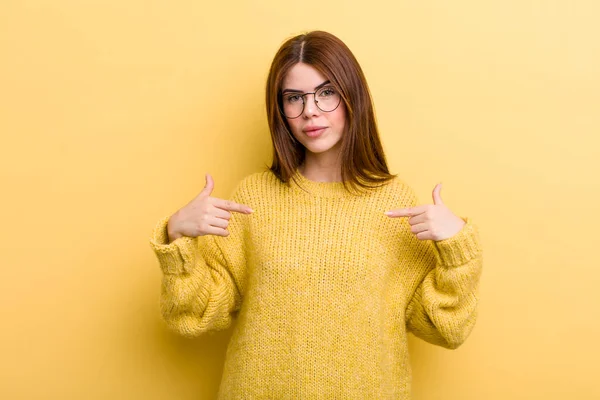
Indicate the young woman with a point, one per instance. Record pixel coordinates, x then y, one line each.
325 261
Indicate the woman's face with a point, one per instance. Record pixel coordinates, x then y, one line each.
319 131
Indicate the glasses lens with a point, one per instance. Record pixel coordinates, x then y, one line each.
328 99
293 104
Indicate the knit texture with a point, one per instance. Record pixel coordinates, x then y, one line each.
324 289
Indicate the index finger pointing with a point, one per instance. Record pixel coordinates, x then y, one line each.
401 212
407 212
232 206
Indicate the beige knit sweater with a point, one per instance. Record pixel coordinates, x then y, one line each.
324 288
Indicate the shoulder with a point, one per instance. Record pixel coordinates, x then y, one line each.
398 191
257 181
255 184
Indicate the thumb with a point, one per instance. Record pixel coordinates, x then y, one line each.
208 188
437 198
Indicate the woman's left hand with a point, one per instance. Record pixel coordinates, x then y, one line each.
432 221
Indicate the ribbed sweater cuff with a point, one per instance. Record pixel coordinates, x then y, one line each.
176 257
460 248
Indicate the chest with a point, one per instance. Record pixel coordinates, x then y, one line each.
322 236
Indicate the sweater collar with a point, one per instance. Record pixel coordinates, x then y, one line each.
318 189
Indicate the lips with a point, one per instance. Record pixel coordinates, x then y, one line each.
314 131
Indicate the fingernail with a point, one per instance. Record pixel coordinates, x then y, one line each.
388 213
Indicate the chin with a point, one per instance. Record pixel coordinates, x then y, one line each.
321 146
318 149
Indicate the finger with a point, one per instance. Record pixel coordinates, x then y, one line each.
401 212
425 235
218 222
211 230
219 213
437 197
418 228
418 219
232 206
407 212
208 187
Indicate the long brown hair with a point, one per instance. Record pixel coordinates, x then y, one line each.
363 161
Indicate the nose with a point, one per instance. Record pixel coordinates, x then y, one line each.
310 106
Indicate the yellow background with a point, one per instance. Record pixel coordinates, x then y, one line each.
112 111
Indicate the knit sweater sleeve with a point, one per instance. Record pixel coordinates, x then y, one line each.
443 308
203 277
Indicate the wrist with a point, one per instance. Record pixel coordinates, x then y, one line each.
172 232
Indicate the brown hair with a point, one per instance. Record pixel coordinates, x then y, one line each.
363 161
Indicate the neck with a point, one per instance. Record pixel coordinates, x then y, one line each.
322 167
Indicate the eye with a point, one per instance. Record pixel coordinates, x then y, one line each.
327 92
294 98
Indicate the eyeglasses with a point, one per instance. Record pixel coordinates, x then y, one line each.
327 99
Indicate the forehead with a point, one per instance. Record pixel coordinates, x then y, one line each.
302 77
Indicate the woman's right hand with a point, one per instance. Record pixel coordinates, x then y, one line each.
204 215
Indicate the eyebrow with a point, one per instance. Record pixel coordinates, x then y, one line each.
300 91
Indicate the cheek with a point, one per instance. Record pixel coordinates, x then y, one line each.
294 125
339 118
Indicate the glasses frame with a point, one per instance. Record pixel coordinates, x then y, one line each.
302 95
